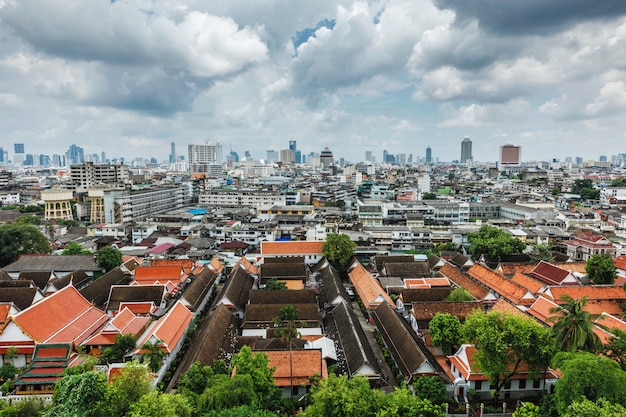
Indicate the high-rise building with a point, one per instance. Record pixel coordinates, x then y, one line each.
103 157
510 156
172 153
326 158
272 156
18 153
429 155
203 158
287 156
385 153
75 155
466 150
2 155
368 156
219 152
18 148
293 147
603 158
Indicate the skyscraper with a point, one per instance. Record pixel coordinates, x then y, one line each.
203 158
429 155
466 150
18 148
18 153
75 155
368 156
293 147
326 158
173 153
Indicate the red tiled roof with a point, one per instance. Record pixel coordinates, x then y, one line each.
540 309
296 247
183 264
504 306
525 281
65 316
611 322
620 262
170 328
368 288
592 292
477 290
306 363
552 275
144 274
506 288
516 268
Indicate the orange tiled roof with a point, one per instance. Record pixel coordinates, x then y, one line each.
516 268
505 287
504 306
477 290
620 262
540 309
151 274
426 282
610 322
593 292
216 265
295 247
63 317
248 266
170 328
525 281
368 288
185 264
580 267
306 363
604 306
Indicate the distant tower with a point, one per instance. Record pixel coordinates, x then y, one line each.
368 156
293 147
219 153
510 156
326 158
466 150
429 155
173 153
385 153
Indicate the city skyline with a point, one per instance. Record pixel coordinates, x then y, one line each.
397 75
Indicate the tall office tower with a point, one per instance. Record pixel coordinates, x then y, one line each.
272 156
18 153
2 155
172 153
603 158
203 158
466 150
368 156
103 157
401 159
233 156
219 152
293 147
510 156
287 156
385 153
429 155
326 157
247 155
75 155
6 156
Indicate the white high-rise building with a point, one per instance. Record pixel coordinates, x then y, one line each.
204 158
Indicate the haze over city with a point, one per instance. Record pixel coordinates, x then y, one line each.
130 77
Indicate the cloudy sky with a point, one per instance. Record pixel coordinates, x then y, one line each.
130 76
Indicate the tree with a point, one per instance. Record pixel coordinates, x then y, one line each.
109 258
586 375
257 366
445 331
153 354
74 248
240 411
80 395
226 392
616 347
573 326
601 408
17 239
494 242
430 388
429 196
126 388
618 182
541 252
527 410
586 189
505 342
338 249
460 294
601 269
287 323
155 404
122 344
273 284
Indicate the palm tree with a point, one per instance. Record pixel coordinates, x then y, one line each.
573 326
287 322
153 354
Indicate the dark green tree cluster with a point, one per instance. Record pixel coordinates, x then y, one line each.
109 258
573 326
17 239
445 330
601 269
586 189
494 242
338 249
618 182
74 248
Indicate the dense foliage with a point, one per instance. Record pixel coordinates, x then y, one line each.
573 326
460 294
74 248
445 331
494 242
601 269
586 189
338 249
109 258
18 239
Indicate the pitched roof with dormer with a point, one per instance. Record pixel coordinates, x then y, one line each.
63 317
369 289
508 289
125 322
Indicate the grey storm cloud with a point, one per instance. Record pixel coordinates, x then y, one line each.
531 17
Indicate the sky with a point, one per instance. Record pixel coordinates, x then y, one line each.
129 77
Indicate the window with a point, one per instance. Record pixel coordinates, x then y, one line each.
478 385
522 384
536 383
507 384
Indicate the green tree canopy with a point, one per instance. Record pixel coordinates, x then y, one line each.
257 366
431 388
586 189
601 269
80 395
541 252
460 294
445 331
601 408
156 404
616 347
587 376
494 242
18 239
527 410
504 342
273 284
109 258
573 326
338 249
122 344
74 248
153 355
126 388
618 182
